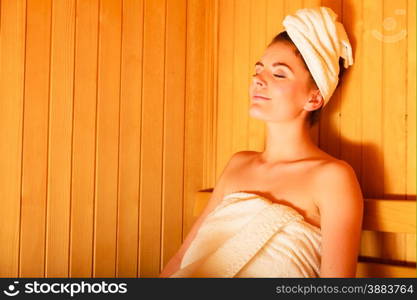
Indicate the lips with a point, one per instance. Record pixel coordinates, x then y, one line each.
260 97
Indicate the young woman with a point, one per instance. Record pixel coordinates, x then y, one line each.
292 210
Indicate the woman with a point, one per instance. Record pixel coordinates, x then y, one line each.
292 210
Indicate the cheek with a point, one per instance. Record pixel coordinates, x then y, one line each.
288 99
285 91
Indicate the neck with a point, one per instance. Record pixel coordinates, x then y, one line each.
287 142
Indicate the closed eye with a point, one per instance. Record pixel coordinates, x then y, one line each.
275 75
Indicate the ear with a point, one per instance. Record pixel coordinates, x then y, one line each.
315 101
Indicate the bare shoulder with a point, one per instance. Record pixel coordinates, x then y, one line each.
235 162
333 170
335 178
242 155
239 158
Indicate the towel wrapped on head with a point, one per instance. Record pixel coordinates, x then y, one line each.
321 41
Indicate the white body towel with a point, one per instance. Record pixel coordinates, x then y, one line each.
250 236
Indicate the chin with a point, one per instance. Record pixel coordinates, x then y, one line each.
257 113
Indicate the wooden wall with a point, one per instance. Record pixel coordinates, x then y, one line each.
114 113
100 111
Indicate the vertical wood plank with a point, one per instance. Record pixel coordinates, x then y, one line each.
12 62
411 100
329 124
291 6
210 99
84 132
258 43
241 75
152 138
194 114
311 3
207 130
274 17
130 136
372 162
394 91
411 119
173 149
351 110
35 139
104 261
394 87
225 84
60 138
372 181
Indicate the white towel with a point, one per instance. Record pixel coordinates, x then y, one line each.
250 236
321 41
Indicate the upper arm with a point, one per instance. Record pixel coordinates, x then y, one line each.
216 197
340 203
222 182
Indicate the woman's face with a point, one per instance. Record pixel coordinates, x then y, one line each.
281 86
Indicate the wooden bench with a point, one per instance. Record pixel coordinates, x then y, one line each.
382 215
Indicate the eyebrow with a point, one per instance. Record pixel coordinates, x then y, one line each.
275 65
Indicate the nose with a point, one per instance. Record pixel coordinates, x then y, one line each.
258 80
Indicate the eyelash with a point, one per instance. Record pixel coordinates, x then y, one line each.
279 76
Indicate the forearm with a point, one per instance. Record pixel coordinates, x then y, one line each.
174 263
172 266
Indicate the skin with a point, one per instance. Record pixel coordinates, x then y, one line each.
292 170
